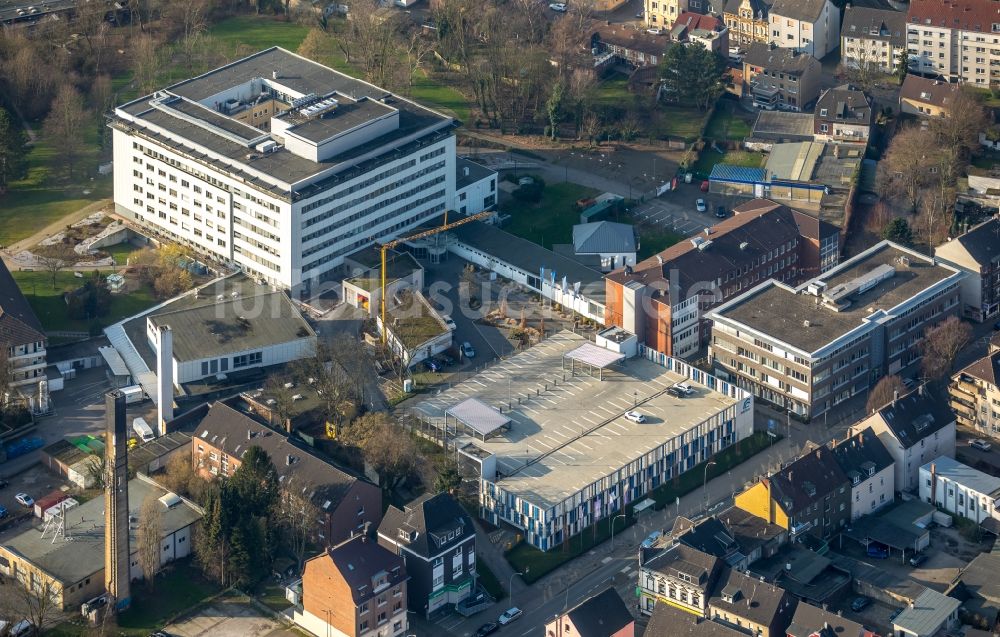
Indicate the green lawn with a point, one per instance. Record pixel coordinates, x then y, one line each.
51 309
709 158
669 120
178 590
254 33
727 124
439 96
613 93
654 239
120 252
552 219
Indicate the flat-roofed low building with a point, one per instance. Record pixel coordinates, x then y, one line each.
811 347
69 562
960 489
548 434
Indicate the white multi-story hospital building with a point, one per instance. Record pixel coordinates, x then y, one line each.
281 166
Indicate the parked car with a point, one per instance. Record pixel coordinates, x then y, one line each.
467 350
720 212
878 551
3 511
635 416
704 186
558 6
675 392
700 206
25 500
487 629
860 603
685 388
651 539
449 322
980 444
19 629
432 365
909 383
918 559
655 31
509 615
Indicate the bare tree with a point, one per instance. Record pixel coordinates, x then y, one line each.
148 537
864 68
145 63
941 345
883 392
959 128
283 398
36 602
907 167
298 516
180 477
387 447
55 258
65 124
590 127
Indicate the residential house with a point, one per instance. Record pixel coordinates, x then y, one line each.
961 490
758 539
707 31
955 39
661 14
978 586
871 470
930 614
810 621
630 47
747 22
974 395
915 429
603 615
810 495
811 347
807 26
734 536
21 333
677 575
977 253
873 39
669 621
747 604
347 503
843 114
354 589
924 97
662 299
613 244
437 540
780 78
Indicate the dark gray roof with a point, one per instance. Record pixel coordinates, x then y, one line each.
862 451
760 7
749 530
427 520
874 24
603 237
808 479
18 323
979 585
982 242
359 560
810 620
805 10
779 59
708 535
751 599
601 615
986 369
915 416
700 567
476 172
928 91
844 104
668 621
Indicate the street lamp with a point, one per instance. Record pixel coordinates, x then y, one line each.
620 515
510 584
704 484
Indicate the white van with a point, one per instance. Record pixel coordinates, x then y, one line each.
20 629
133 394
143 430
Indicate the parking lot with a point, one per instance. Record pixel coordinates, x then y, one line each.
677 210
228 618
37 482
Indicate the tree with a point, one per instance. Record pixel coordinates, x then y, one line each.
64 126
55 258
298 516
254 486
864 68
692 75
148 537
961 124
386 446
883 393
941 345
13 151
448 478
211 539
630 126
145 63
590 127
170 282
180 477
907 168
553 107
37 604
284 399
898 230
97 472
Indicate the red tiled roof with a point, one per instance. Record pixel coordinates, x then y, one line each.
966 15
693 20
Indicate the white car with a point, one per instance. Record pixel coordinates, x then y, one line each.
684 387
700 206
509 615
980 444
558 6
635 416
449 322
655 31
25 500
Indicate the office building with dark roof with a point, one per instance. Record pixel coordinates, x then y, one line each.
977 253
811 347
280 166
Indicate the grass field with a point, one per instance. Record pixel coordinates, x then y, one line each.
709 158
120 252
727 124
552 219
251 33
178 590
613 92
48 303
678 122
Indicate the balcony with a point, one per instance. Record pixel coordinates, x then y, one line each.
801 527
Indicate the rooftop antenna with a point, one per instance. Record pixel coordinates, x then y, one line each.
57 524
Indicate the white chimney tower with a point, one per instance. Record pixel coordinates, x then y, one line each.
164 379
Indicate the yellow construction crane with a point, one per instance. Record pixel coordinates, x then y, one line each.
420 235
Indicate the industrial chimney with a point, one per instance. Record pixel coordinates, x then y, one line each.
164 379
116 538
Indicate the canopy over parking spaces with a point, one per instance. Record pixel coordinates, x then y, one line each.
592 356
478 418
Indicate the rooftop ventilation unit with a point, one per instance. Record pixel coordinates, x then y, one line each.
859 285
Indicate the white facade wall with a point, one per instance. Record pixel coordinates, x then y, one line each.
958 498
909 461
873 493
613 260
476 197
685 319
189 371
813 38
174 546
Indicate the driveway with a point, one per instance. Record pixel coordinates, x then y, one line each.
228 619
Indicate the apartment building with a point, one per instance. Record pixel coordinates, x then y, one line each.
781 79
873 39
956 39
280 166
663 299
603 615
678 576
811 495
437 541
974 395
961 490
21 333
807 26
811 347
734 536
870 468
843 114
810 621
662 13
925 97
977 253
747 22
915 429
354 589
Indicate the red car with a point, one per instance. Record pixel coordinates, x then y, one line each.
704 186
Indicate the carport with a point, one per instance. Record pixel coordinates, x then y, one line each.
477 418
869 529
591 357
